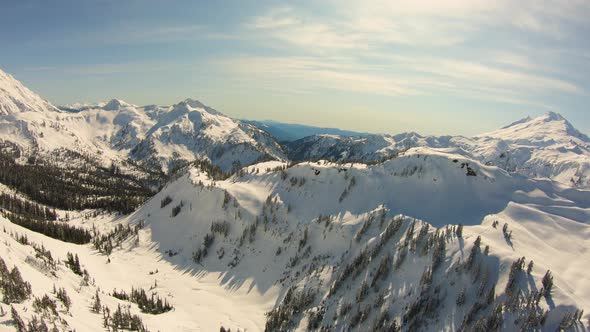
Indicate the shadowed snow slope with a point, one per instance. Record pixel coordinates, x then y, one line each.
547 222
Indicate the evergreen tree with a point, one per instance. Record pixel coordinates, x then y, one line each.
18 321
96 304
547 283
459 230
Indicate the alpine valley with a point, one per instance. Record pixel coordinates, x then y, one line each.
119 217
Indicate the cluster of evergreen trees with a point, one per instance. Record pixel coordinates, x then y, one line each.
165 201
88 186
73 262
281 318
176 210
202 252
36 324
63 297
40 219
105 243
360 262
45 305
147 304
57 230
220 227
213 171
122 319
14 288
485 311
26 208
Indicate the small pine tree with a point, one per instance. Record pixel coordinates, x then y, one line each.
62 295
96 305
20 324
477 242
529 268
461 298
459 230
547 283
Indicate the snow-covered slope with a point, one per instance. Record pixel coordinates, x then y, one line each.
15 97
200 304
547 146
190 130
272 228
339 247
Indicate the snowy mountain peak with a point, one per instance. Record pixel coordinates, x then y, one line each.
547 117
193 103
16 98
552 116
549 128
189 104
115 105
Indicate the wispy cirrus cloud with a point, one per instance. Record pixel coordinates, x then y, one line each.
405 48
334 73
422 76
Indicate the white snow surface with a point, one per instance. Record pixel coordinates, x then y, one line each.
549 224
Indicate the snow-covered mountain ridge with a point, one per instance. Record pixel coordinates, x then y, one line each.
547 146
158 136
164 137
304 227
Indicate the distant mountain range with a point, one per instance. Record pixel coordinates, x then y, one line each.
164 137
285 132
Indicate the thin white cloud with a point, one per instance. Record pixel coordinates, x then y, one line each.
490 76
372 23
331 74
365 35
423 76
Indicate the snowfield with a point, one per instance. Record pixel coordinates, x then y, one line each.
548 224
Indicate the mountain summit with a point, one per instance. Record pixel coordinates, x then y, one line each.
549 128
115 105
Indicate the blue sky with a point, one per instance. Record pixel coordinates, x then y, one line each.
435 67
